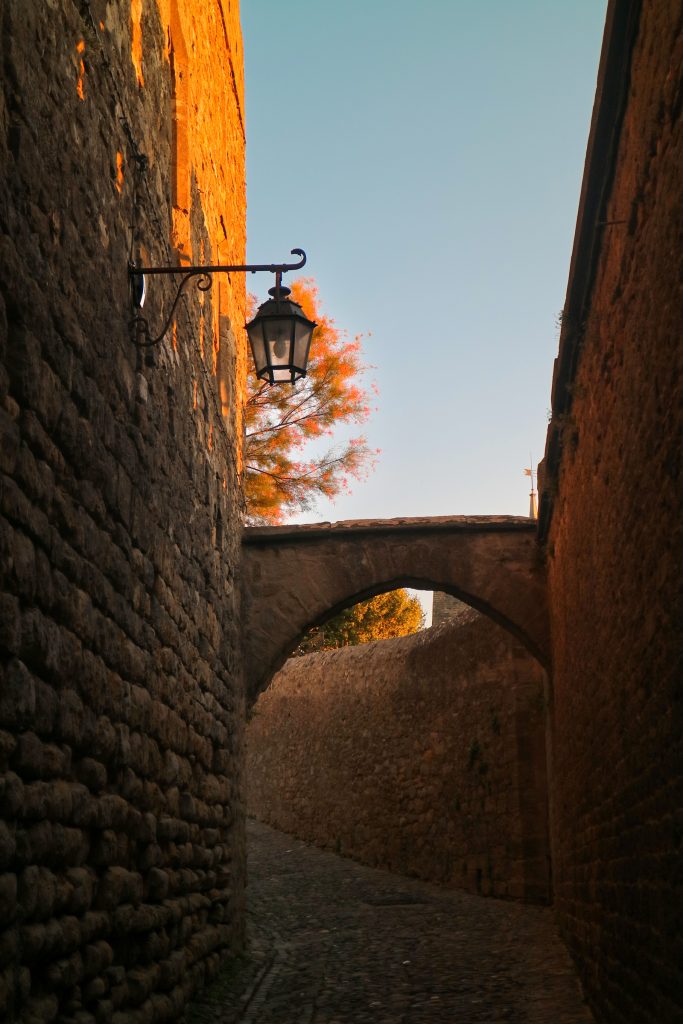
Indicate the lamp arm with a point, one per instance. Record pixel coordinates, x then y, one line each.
222 268
139 325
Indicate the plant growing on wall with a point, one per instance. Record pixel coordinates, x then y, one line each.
388 615
280 478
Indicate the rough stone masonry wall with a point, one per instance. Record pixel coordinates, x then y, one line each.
121 817
424 755
614 563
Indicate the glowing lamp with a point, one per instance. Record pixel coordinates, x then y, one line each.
280 338
279 334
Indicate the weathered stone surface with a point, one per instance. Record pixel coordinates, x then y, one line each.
8 845
17 696
295 577
424 755
8 897
355 945
119 677
615 546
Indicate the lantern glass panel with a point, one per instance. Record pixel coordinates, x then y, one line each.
258 349
302 341
281 375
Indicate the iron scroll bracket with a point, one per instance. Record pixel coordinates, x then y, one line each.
139 325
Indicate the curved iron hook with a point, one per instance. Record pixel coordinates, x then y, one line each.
139 325
295 266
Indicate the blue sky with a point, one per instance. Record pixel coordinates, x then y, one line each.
428 158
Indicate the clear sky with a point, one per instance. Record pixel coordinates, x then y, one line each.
428 157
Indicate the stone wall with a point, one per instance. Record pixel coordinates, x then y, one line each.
445 606
424 755
614 563
121 831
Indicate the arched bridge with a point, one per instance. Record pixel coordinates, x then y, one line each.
295 577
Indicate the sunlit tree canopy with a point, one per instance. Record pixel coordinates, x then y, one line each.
388 615
283 423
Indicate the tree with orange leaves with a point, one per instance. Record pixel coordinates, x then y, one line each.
282 420
395 613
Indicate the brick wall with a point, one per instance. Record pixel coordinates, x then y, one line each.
121 820
614 564
424 755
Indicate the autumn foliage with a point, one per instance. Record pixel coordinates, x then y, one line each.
283 420
388 615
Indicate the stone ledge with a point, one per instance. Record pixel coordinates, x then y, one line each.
360 527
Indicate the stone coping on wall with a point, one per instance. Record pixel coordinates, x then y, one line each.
359 527
611 95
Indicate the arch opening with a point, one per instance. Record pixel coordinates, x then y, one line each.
426 756
298 577
391 614
402 581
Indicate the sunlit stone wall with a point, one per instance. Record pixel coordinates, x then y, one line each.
121 817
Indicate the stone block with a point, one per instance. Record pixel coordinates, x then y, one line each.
173 829
8 897
17 696
44 721
97 958
112 812
81 881
118 885
151 856
7 845
141 982
8 745
10 623
104 1013
34 759
9 946
156 885
53 844
65 972
76 722
94 925
94 989
52 800
91 773
109 847
104 740
130 919
41 1009
11 794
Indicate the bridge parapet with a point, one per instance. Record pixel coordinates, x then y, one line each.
295 577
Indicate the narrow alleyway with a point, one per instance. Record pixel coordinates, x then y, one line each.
332 942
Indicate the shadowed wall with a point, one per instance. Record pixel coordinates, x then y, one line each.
424 755
121 703
614 539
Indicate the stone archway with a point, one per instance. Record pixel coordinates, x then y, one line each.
295 577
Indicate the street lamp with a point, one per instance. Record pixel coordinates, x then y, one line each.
279 334
280 337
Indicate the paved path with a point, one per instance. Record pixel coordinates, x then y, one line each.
332 942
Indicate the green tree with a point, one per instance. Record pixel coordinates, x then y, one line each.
388 615
282 420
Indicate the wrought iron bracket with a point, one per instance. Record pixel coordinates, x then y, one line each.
139 326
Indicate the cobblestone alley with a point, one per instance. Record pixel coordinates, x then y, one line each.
332 942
